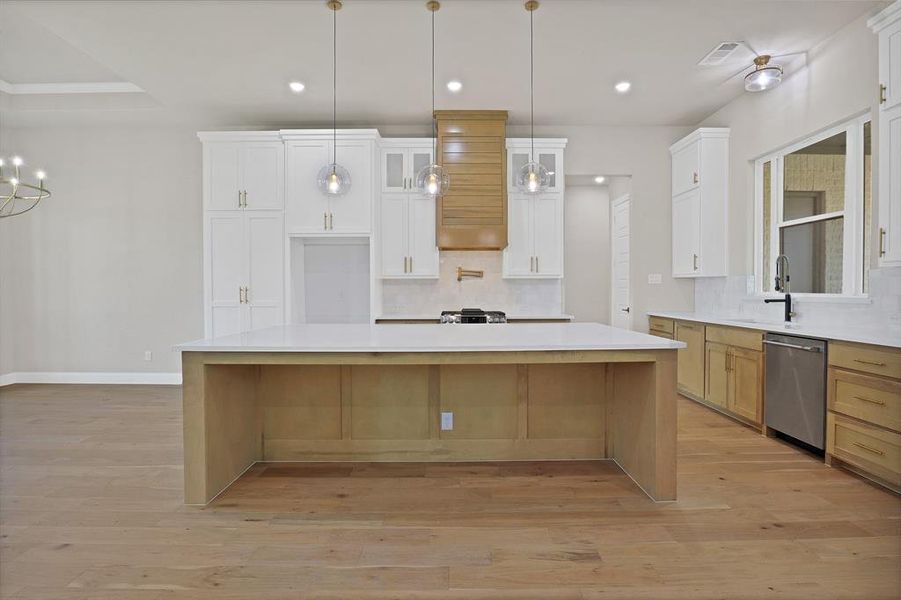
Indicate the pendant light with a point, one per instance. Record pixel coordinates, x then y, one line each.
532 177
433 180
333 179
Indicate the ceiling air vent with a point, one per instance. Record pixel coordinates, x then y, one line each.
718 55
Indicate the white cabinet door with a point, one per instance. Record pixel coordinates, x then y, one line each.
306 207
265 269
394 235
890 64
519 253
552 160
394 170
686 168
226 272
516 160
686 234
547 222
351 213
421 244
223 176
419 158
262 174
889 234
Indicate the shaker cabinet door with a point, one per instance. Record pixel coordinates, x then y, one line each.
262 173
306 208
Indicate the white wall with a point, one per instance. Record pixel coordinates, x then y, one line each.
587 253
839 81
110 265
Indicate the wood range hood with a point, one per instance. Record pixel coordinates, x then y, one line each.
472 215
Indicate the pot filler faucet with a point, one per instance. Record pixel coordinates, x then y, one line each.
782 285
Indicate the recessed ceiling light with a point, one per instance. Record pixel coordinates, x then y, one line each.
296 87
600 179
623 86
454 86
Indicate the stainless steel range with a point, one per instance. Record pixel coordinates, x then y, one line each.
473 315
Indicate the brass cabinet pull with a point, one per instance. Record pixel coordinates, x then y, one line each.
325 220
411 264
245 198
870 400
694 177
246 295
240 205
726 361
242 295
869 448
881 93
695 261
331 221
869 362
537 270
882 241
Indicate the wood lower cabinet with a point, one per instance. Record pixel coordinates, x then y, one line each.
690 370
716 390
734 381
863 392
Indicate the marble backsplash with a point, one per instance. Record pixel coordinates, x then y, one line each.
732 296
430 296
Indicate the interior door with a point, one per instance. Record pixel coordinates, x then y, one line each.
717 367
226 272
422 247
518 255
265 259
262 173
746 384
690 365
686 234
223 176
306 207
547 221
351 212
621 288
394 235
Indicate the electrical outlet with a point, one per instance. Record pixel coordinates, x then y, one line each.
148 355
447 421
655 278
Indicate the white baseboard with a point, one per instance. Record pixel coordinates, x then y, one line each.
91 377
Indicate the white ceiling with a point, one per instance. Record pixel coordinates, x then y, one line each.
230 61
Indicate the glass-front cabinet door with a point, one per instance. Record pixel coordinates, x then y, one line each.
550 158
394 172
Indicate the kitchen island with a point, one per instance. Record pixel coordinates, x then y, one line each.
429 393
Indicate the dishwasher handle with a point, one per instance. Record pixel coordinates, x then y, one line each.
795 346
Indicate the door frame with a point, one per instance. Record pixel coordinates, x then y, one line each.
624 199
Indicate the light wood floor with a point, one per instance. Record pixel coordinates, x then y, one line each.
91 492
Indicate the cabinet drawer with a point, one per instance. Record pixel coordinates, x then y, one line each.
867 398
873 450
661 334
660 325
732 336
872 359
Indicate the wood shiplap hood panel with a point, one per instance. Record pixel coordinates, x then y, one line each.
472 215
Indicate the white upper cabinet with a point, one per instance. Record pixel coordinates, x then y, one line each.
407 233
401 160
887 25
548 153
700 179
307 209
535 236
246 175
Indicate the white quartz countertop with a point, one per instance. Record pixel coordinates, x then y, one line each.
513 316
837 331
433 338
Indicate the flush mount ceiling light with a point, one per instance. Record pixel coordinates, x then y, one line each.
623 86
333 179
764 76
532 177
296 87
16 196
433 180
600 179
454 86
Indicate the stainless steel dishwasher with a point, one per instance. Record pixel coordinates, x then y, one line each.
795 401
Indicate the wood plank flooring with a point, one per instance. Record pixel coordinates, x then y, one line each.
91 508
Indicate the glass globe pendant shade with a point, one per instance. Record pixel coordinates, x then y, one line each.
333 180
432 181
763 78
533 178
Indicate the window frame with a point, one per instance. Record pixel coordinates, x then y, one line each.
852 214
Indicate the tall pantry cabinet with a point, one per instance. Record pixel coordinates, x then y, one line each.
243 230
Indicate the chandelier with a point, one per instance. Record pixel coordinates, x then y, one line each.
16 196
